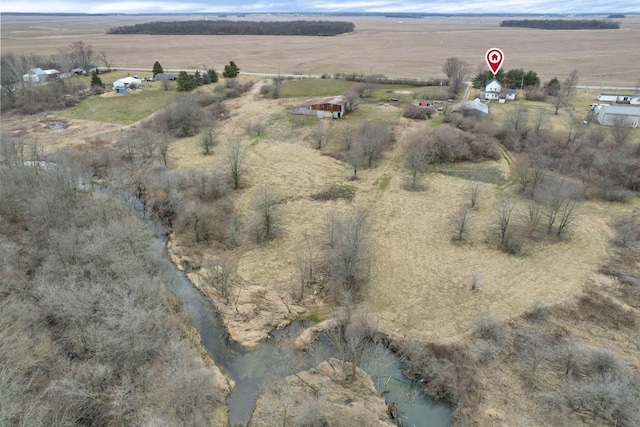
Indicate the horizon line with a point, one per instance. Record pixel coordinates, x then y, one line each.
386 14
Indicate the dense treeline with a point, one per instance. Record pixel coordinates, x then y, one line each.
201 27
89 335
563 24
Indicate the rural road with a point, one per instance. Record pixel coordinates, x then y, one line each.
317 76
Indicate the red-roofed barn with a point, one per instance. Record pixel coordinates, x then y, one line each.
333 106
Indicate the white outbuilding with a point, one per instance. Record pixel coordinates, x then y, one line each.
127 83
611 115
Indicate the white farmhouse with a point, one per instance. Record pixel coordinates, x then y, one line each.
494 90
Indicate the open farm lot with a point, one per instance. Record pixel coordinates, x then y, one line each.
394 47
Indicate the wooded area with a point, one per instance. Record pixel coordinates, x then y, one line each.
202 27
563 24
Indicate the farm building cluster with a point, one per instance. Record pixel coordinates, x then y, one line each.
614 114
493 89
38 75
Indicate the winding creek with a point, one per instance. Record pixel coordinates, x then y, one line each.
271 359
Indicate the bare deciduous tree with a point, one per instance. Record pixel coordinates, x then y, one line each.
220 273
351 255
534 350
105 59
558 101
621 131
319 134
354 340
541 123
208 139
235 157
348 136
355 157
372 138
370 86
82 54
569 85
416 156
459 223
504 214
181 116
456 70
515 126
265 203
474 191
306 264
163 147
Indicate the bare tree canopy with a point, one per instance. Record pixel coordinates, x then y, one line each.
456 70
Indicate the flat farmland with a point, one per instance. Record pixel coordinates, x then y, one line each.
394 47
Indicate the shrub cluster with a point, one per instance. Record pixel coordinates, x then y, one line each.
90 335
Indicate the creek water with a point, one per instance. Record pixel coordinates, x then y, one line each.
276 357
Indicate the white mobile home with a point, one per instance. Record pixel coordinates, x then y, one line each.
619 98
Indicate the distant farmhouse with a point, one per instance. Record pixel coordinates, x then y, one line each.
334 106
620 99
80 71
613 115
38 75
166 76
493 89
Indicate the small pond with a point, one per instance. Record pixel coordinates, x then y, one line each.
57 124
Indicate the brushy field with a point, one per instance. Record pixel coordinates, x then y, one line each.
396 48
421 282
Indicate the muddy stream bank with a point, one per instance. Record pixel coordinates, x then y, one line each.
272 358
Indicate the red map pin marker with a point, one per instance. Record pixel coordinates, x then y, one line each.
494 59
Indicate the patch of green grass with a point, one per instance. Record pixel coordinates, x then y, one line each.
435 122
383 181
396 158
376 113
312 88
303 120
316 315
483 173
121 109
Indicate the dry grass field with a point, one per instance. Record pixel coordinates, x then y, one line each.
406 48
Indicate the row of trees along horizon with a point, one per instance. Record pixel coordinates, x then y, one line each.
205 27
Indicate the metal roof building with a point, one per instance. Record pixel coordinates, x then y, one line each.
612 115
332 106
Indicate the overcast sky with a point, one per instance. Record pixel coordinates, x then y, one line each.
333 6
